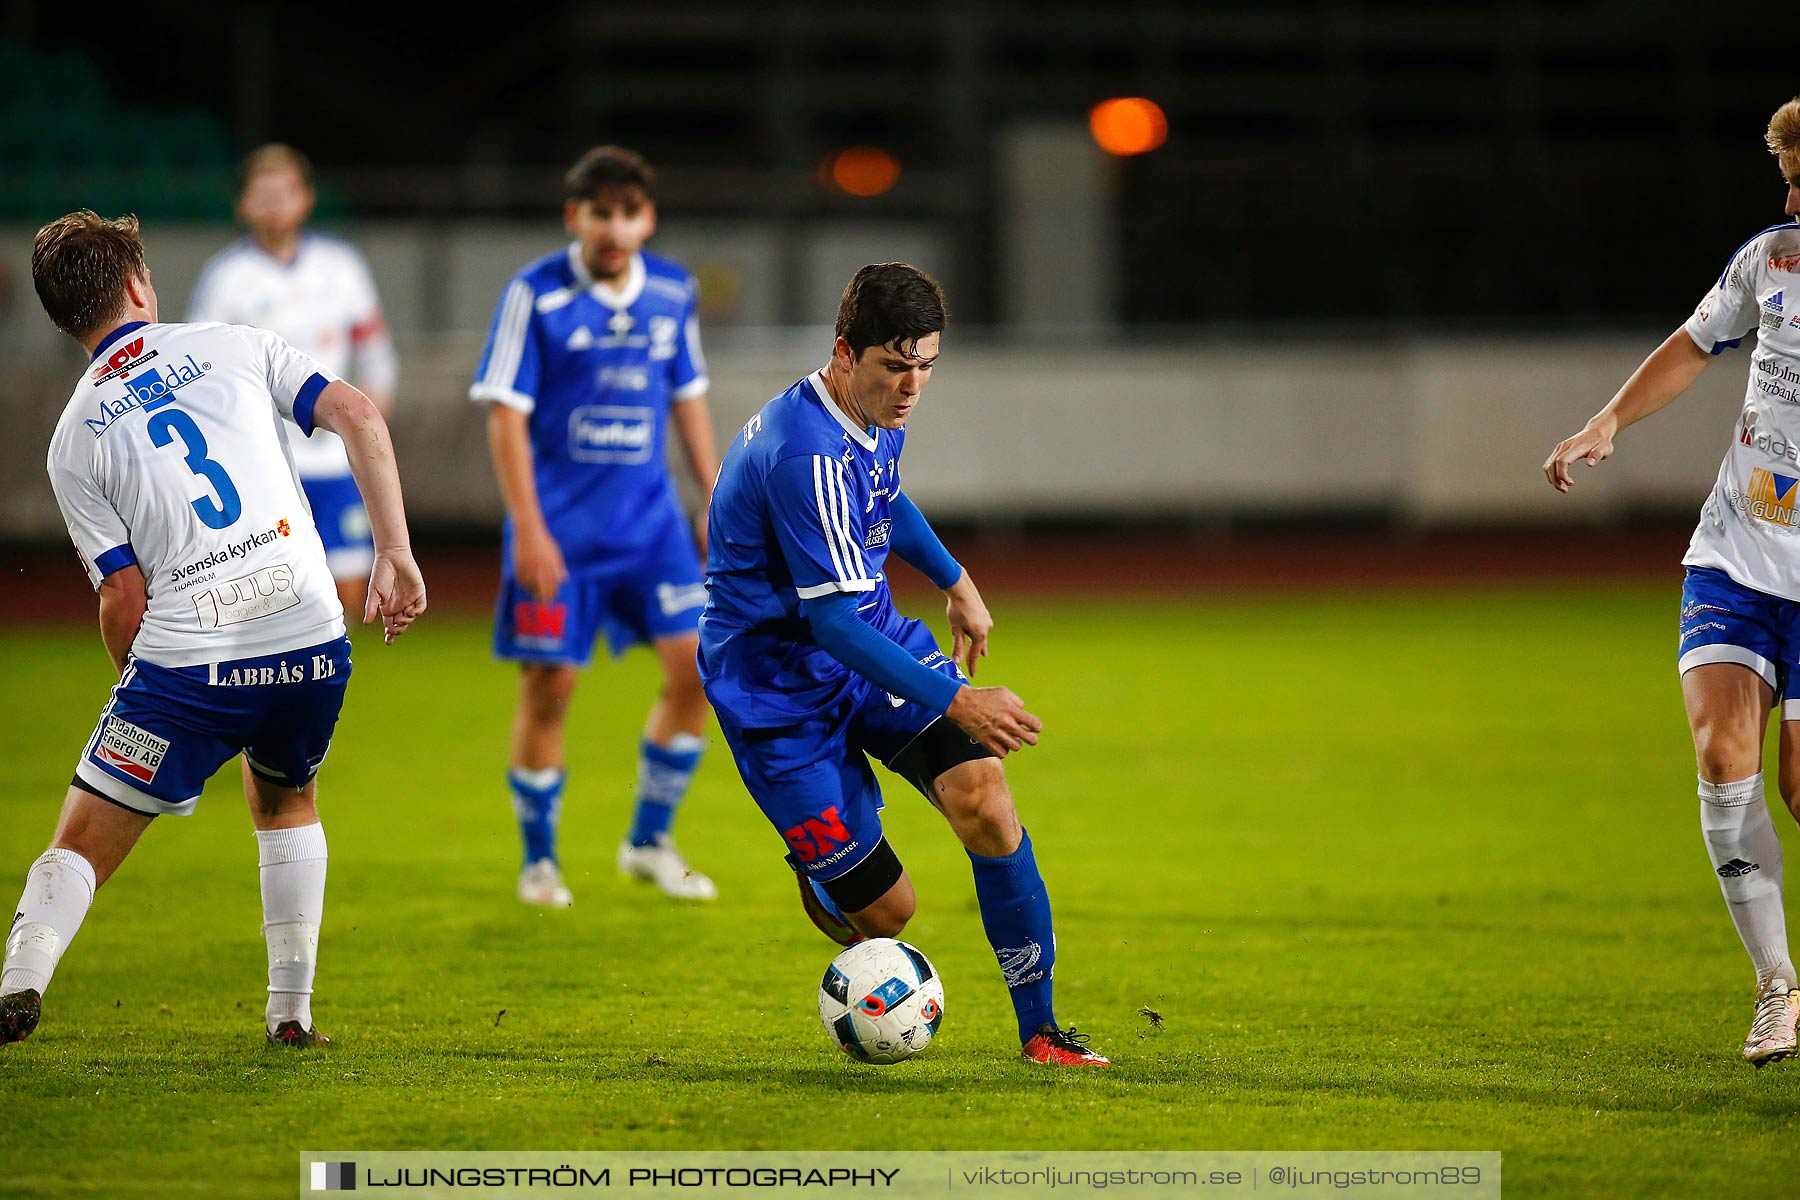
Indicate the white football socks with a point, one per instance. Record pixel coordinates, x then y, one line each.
1746 856
293 893
59 889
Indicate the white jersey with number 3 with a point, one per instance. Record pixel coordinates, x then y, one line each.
172 455
1750 525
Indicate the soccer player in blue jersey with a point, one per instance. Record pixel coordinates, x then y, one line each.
593 351
812 671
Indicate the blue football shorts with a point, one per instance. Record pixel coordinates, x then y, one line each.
337 509
659 595
1722 621
813 780
166 730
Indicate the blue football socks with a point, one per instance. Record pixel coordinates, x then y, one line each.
537 801
1015 911
663 777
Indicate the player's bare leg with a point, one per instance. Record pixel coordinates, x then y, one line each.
1728 709
536 777
92 838
291 856
1015 906
673 741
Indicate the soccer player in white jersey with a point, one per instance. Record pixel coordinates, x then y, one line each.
1740 606
317 293
216 607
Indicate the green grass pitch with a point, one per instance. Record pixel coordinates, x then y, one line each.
1399 871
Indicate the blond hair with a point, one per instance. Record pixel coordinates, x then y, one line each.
1783 136
80 265
273 157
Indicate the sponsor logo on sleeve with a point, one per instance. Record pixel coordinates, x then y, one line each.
259 594
612 433
127 748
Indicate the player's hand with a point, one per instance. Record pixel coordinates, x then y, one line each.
538 562
970 624
1592 445
396 592
996 718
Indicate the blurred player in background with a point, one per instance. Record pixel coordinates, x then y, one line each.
1740 607
317 293
812 670
216 605
593 351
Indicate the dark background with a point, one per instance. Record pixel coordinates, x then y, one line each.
1443 167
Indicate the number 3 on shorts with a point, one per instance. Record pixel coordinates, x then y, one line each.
163 427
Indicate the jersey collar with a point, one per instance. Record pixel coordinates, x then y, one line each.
863 437
625 296
105 343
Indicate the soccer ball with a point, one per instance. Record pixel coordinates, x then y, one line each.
881 1001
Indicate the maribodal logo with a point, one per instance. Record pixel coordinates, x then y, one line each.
334 1177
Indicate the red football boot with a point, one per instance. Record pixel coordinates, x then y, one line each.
1051 1045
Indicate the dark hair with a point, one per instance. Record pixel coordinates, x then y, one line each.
80 265
890 304
605 168
273 157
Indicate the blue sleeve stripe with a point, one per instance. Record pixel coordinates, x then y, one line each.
115 559
508 344
304 401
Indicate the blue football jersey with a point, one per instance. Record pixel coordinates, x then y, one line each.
596 370
800 511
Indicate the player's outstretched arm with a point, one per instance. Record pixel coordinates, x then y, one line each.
537 559
396 587
1669 371
123 599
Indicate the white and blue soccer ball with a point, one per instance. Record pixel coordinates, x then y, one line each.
881 1001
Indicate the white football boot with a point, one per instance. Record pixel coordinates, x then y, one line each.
663 865
542 883
1772 1036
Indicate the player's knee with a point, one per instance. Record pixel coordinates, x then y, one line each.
1724 755
545 692
885 918
980 806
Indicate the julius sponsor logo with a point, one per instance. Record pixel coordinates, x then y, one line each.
136 752
226 553
1768 443
121 362
270 590
150 389
612 433
1770 498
